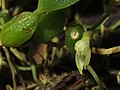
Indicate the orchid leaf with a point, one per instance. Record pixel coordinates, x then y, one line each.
52 5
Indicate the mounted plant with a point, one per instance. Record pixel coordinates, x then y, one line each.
41 26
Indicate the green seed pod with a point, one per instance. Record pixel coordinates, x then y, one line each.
73 34
18 30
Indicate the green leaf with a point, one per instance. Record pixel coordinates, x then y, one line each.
52 5
50 25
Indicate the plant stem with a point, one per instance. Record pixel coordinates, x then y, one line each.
95 76
38 7
11 66
21 56
37 11
105 15
113 27
2 4
21 79
104 51
34 73
25 68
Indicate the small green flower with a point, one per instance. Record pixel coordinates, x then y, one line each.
83 51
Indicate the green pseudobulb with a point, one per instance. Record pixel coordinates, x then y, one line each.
73 34
18 30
